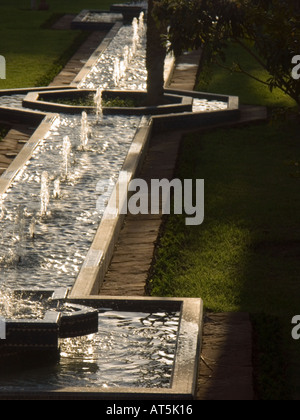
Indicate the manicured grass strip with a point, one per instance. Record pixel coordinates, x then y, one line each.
246 255
60 63
35 57
34 52
252 179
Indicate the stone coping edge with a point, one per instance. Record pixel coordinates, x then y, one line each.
79 21
193 120
232 101
24 91
45 123
197 120
96 54
177 104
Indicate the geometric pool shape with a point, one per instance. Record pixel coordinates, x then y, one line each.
49 103
183 382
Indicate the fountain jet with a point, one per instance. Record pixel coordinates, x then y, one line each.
20 234
32 228
45 195
2 208
66 154
116 75
56 189
84 130
141 25
126 56
135 37
98 103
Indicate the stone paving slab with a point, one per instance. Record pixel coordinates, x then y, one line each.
132 260
76 63
226 371
64 23
186 70
13 143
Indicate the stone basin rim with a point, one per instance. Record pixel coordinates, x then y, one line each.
175 102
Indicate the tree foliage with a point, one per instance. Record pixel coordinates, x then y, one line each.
269 30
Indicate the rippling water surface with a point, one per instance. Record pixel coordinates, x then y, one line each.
53 257
130 350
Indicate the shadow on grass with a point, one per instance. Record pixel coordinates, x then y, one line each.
245 257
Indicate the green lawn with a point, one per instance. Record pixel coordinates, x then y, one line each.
220 80
34 55
251 228
246 255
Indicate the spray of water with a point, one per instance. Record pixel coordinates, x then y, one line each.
32 228
98 103
116 75
126 56
2 208
84 130
141 24
14 307
120 66
122 69
45 195
56 189
135 36
66 154
20 233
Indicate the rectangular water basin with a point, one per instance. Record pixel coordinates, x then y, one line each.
88 362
